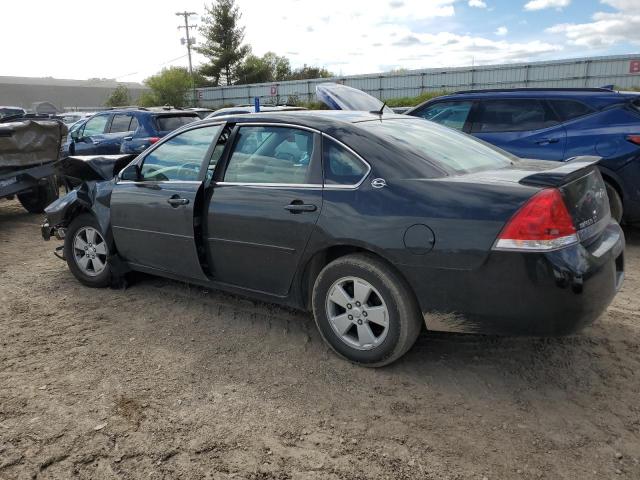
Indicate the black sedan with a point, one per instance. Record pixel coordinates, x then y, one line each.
378 223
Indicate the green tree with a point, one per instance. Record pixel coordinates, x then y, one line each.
169 87
268 68
223 37
119 97
307 73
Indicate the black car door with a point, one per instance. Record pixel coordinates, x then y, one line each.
153 219
265 204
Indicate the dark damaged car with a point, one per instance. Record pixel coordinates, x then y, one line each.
378 223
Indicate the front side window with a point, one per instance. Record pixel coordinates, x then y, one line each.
181 157
341 167
95 126
270 155
517 115
449 114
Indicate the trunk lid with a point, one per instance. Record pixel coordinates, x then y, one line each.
341 97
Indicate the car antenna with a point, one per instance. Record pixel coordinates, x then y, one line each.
379 112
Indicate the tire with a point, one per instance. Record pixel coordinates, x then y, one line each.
40 197
91 269
388 296
615 202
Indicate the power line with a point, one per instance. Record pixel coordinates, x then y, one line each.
186 27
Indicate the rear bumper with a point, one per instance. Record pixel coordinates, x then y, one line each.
514 293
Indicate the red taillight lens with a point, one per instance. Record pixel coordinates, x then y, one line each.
634 139
153 140
541 224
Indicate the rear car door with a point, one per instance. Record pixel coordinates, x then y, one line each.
119 128
265 203
91 137
154 219
528 128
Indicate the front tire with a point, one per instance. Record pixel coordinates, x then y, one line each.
87 252
615 202
365 311
40 197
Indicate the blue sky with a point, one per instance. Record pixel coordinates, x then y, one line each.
131 40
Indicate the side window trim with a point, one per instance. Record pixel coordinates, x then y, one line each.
355 154
316 160
140 161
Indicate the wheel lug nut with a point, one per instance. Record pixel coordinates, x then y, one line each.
358 304
350 317
364 314
349 306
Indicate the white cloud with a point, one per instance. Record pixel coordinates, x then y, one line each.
607 28
477 4
502 31
543 4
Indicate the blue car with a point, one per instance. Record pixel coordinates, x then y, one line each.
556 124
127 130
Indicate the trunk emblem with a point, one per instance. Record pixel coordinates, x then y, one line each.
378 183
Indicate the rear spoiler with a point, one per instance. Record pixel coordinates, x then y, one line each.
565 173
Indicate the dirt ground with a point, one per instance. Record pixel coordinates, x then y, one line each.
167 380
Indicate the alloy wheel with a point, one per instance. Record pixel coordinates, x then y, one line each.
90 251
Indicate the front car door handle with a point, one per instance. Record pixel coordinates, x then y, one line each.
301 207
127 139
546 141
177 201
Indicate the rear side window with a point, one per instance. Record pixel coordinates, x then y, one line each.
568 109
341 167
449 114
270 155
515 115
134 124
168 123
120 123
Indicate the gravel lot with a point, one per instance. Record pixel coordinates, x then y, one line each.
167 380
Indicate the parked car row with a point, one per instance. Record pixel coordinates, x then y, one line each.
376 222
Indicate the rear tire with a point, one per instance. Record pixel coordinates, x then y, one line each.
615 202
40 197
87 253
365 311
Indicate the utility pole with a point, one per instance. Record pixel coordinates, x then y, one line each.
189 42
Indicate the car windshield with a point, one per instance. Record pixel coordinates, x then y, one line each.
5 112
443 146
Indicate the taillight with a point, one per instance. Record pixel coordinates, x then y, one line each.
634 139
153 140
541 224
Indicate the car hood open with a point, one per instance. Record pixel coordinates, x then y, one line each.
340 97
95 167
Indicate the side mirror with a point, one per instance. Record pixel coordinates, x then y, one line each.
131 173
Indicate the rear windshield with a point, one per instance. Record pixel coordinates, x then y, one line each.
171 122
445 147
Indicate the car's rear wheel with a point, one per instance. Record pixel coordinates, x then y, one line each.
36 200
615 202
87 252
365 311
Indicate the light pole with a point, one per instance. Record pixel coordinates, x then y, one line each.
189 42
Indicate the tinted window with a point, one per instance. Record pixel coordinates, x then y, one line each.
95 126
341 167
270 155
568 109
449 114
120 123
168 123
513 116
179 158
134 124
441 146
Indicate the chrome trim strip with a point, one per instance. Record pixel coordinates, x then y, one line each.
276 124
272 185
251 244
164 182
152 231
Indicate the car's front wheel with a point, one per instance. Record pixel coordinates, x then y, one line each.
365 311
87 252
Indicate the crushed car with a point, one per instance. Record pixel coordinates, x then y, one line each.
380 224
29 148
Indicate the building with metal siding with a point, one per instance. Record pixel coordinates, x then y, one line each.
623 71
64 94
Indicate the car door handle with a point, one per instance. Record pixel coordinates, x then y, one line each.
545 141
176 201
294 207
127 139
97 142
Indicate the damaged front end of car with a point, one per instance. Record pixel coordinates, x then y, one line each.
90 181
